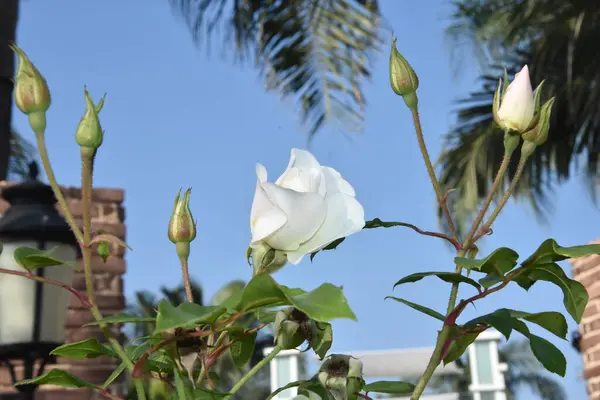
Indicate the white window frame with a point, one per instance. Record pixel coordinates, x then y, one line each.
294 356
498 385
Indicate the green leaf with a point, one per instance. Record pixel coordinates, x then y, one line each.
115 374
459 346
330 246
500 319
123 319
547 354
88 348
266 317
450 277
261 291
550 252
31 258
418 307
390 387
321 342
499 262
552 321
575 296
186 315
242 347
288 386
490 280
325 303
57 377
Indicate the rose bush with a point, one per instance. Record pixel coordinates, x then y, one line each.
308 207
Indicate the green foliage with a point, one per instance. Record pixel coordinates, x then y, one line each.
31 258
322 341
58 377
450 277
323 304
122 319
499 262
418 307
88 348
390 387
186 315
242 347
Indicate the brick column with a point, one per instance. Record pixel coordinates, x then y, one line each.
587 271
108 215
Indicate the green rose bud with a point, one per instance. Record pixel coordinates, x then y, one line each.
31 92
539 133
341 375
182 227
403 78
266 259
89 133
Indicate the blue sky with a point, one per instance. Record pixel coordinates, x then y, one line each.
175 117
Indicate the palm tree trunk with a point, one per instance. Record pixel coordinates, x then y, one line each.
9 12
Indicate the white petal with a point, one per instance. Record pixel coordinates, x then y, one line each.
345 216
265 217
516 108
334 183
303 173
305 214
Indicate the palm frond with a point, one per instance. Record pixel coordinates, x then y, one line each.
318 52
558 40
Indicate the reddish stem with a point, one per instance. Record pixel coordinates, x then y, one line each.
34 277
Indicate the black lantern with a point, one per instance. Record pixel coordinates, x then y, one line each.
32 314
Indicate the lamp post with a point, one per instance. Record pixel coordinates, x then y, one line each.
33 314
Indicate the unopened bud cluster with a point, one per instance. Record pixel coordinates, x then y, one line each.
342 376
292 328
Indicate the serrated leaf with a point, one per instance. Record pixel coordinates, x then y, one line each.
31 258
490 280
499 262
266 317
261 291
575 296
459 346
500 319
88 348
450 277
390 387
58 377
550 252
552 321
323 304
418 307
322 341
122 319
186 315
242 348
547 354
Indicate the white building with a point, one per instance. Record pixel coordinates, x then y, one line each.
487 373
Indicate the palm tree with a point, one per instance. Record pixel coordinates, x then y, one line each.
558 40
524 371
314 51
226 369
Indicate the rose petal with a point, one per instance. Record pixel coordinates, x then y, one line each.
334 183
345 216
516 107
305 214
265 217
303 173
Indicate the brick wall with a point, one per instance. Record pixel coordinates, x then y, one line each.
108 215
587 271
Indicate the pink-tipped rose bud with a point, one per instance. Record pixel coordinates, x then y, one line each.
31 90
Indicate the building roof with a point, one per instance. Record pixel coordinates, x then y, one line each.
401 363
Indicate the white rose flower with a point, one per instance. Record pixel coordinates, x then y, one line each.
306 209
517 105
